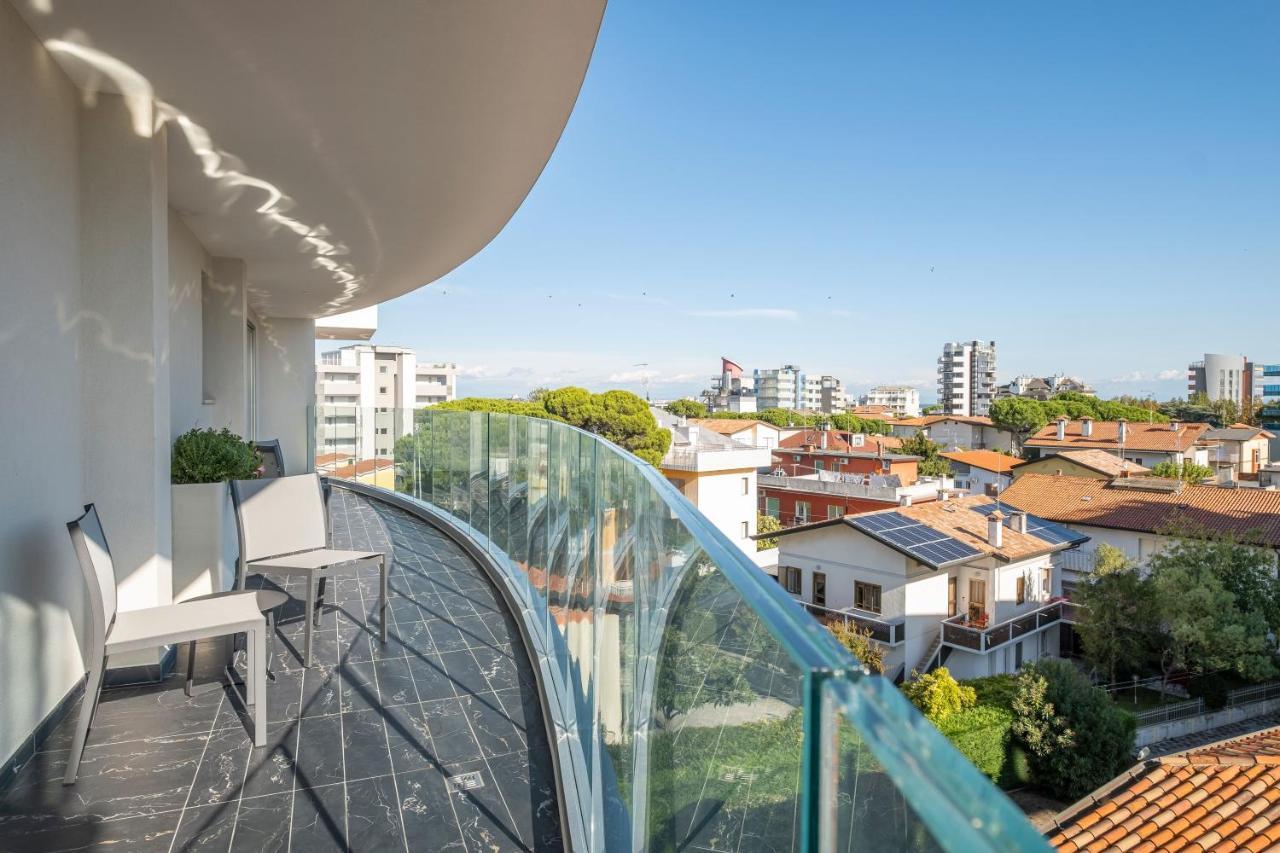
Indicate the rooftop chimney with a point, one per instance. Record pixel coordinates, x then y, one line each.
1062 429
995 529
823 439
1086 427
1123 426
1174 425
905 500
1019 522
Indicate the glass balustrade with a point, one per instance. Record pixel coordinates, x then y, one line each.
694 704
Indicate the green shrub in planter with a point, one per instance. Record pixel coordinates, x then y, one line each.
213 456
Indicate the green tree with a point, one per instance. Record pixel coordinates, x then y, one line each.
858 641
1209 621
536 395
1108 559
1075 736
931 463
938 695
1019 415
687 408
1120 624
767 524
1188 471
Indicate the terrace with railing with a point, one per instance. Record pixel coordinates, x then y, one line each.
889 632
962 633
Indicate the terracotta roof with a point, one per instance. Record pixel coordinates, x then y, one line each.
839 441
364 466
1106 434
1128 505
930 420
1221 797
870 410
987 460
331 458
958 519
728 426
1237 432
1102 461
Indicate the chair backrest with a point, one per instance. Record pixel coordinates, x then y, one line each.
272 458
99 575
279 516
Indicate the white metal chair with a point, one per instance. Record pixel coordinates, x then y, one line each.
284 527
115 632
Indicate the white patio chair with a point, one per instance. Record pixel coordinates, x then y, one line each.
284 527
115 632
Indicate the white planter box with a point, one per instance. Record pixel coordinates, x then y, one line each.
205 546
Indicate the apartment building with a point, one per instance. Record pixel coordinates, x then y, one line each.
902 401
956 432
1238 453
981 472
956 582
1224 376
967 378
717 474
824 394
779 388
365 396
1043 387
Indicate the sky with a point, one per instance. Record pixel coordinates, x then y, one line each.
846 186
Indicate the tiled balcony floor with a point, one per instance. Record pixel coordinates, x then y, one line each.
433 742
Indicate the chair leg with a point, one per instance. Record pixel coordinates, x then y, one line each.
271 643
319 604
92 686
311 604
191 666
382 601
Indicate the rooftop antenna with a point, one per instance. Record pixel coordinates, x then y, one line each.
644 378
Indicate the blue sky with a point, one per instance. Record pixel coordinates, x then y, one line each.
845 186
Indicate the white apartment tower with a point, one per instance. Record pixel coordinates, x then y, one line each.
782 388
901 400
366 395
967 378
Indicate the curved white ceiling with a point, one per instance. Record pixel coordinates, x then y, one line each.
349 152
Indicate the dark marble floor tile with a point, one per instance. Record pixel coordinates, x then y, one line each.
409 739
430 678
528 790
395 682
206 829
320 820
373 815
364 745
465 672
426 808
263 823
270 768
483 817
41 832
319 760
320 691
449 722
221 773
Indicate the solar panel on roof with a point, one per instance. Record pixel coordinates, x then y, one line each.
1050 532
920 541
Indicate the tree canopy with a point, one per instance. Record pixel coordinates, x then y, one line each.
687 408
1191 472
931 463
1021 416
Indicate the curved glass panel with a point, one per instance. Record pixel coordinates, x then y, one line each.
695 705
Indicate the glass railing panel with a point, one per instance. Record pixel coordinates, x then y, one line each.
477 472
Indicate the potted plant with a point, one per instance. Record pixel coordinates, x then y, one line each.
205 546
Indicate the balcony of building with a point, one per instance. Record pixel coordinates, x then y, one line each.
972 631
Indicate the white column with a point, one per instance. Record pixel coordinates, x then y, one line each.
124 345
286 387
224 315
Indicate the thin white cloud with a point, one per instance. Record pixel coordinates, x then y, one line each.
1153 376
1170 374
786 314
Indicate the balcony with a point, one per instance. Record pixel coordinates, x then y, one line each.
889 632
962 633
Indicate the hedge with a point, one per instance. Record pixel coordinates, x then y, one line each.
982 736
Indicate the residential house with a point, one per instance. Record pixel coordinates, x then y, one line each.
1147 444
808 451
1103 464
956 432
753 433
1222 796
874 411
1238 452
1134 513
953 581
717 474
801 498
1043 387
981 472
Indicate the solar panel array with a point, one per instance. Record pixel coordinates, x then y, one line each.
1055 534
921 541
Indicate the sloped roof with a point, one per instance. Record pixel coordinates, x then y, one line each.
1127 506
1106 434
1225 796
1237 432
987 460
837 441
1102 461
729 426
930 420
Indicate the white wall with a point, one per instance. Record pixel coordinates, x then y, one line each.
719 496
42 599
188 263
286 387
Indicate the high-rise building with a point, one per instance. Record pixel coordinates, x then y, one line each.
823 394
901 400
782 388
366 395
1225 377
967 378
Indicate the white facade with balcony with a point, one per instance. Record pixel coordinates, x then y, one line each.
902 400
967 378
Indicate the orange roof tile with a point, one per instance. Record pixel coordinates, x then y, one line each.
930 420
1190 800
1125 505
1102 461
729 426
987 460
1106 434
841 442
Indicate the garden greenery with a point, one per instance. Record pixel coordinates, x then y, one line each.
213 456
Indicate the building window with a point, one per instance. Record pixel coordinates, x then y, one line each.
1022 589
1046 580
382 389
746 485
790 577
772 508
382 368
820 589
746 530
802 512
819 465
795 458
834 511
866 596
